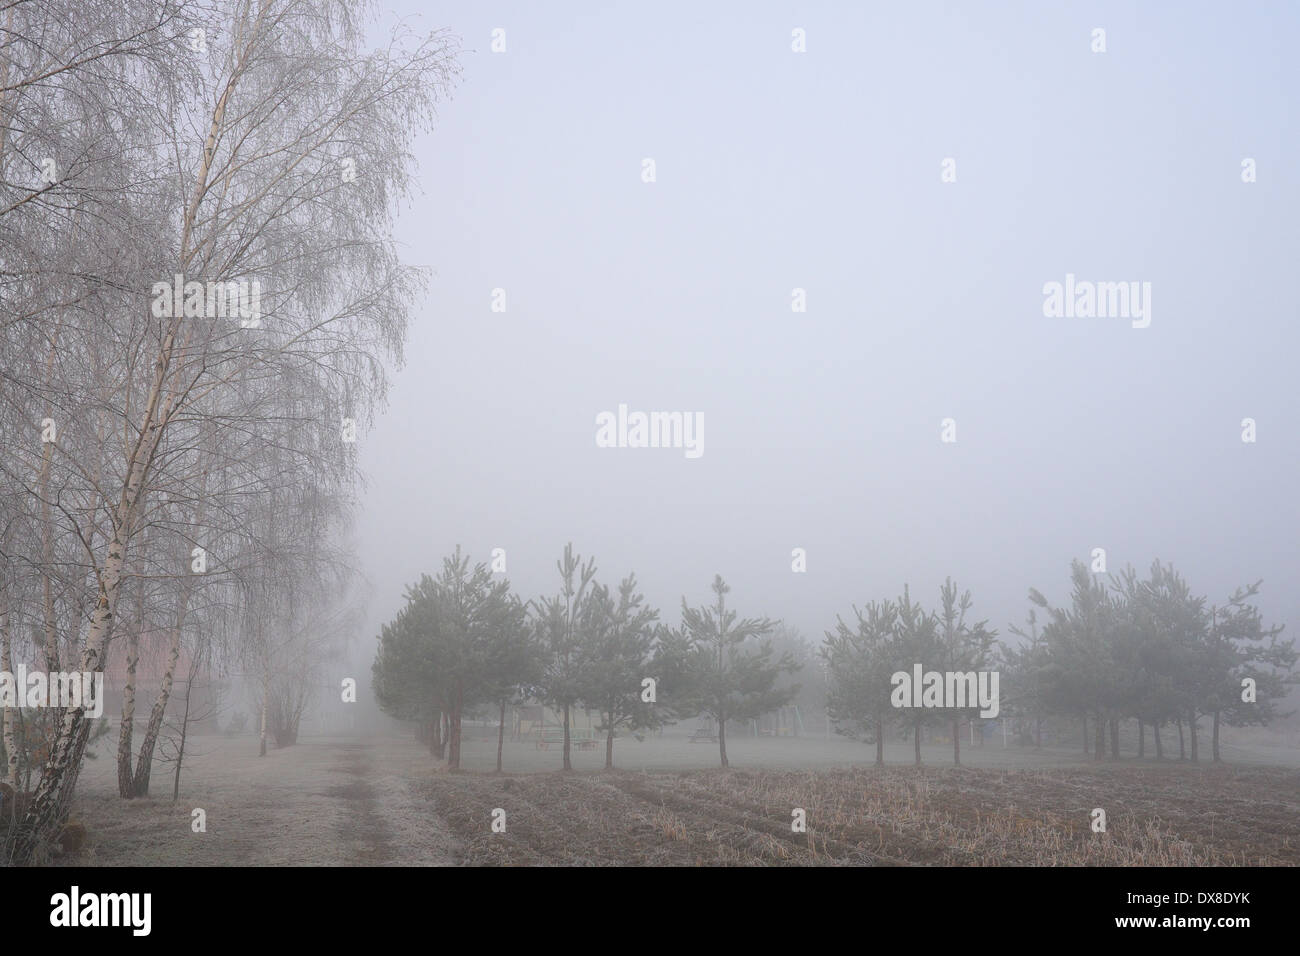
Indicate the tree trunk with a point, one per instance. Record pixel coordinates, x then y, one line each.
501 734
1182 749
1214 743
453 740
1191 727
568 764
880 741
916 741
453 732
1142 738
266 694
1155 735
144 763
956 742
438 741
125 742
47 555
8 715
180 748
126 730
609 744
54 792
1099 743
1114 738
722 740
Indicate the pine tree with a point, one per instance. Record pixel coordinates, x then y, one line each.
558 621
859 662
727 665
1244 648
616 654
962 647
452 645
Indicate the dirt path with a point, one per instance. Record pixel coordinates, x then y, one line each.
323 802
362 829
385 820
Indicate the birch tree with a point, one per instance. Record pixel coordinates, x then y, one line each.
257 125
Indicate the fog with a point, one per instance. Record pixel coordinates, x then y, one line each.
822 171
422 424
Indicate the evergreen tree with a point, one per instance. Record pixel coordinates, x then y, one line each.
963 648
558 621
727 664
615 657
916 641
1244 648
859 662
453 645
1022 675
1082 676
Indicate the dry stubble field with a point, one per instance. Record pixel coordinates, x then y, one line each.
380 801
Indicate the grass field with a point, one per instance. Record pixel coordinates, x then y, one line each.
381 801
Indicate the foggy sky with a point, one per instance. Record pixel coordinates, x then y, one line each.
821 170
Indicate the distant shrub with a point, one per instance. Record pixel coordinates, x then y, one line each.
238 721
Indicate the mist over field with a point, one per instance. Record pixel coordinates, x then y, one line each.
822 171
702 435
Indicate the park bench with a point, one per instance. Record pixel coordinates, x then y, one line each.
703 733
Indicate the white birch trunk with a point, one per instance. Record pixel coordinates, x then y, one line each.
8 715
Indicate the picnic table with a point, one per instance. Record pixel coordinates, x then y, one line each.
582 739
